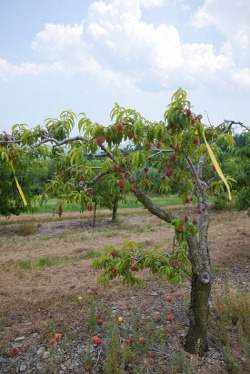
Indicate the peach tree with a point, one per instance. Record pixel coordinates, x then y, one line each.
178 148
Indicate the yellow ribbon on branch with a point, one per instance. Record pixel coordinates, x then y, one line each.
18 185
217 167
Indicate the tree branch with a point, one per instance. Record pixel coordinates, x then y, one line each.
153 208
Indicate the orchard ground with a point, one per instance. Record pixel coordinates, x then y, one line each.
44 280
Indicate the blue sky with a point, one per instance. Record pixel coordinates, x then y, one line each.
86 55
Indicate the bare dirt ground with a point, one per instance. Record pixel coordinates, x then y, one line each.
38 301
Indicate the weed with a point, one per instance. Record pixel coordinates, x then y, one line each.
113 357
92 319
43 262
26 228
25 264
234 322
91 253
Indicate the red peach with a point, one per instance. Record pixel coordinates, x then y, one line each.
119 126
99 140
169 172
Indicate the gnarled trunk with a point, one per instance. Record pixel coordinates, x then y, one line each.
196 339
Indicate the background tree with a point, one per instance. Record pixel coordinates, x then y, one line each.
177 147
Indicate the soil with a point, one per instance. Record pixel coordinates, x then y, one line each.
37 302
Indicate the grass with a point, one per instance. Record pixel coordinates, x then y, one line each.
48 261
26 228
233 328
131 203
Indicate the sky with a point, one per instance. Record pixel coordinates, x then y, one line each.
87 55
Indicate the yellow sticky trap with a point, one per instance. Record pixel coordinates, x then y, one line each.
18 185
217 167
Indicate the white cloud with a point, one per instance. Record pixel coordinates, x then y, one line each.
115 45
242 77
153 3
230 19
8 71
56 39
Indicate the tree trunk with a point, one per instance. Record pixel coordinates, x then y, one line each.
196 339
114 211
94 216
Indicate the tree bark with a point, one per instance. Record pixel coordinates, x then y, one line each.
196 339
94 216
114 211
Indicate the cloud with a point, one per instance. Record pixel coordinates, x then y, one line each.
117 47
8 71
232 20
153 3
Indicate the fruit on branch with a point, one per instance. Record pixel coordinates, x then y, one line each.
121 184
198 211
74 172
133 268
169 172
130 134
195 222
90 208
213 169
188 113
186 218
90 192
180 228
113 271
119 126
173 157
177 148
83 178
176 263
195 141
113 253
99 140
145 170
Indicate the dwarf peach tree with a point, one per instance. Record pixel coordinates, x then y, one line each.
178 148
